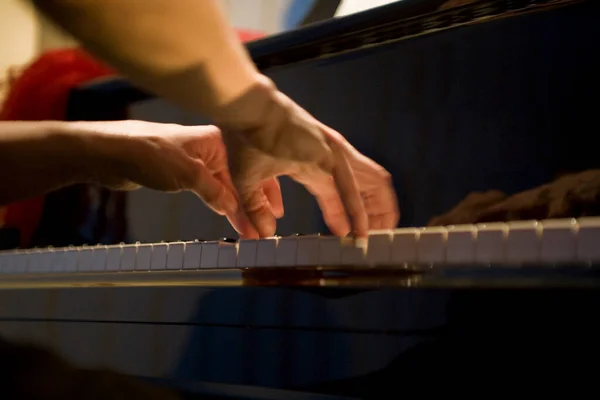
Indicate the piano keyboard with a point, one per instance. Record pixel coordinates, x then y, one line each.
522 242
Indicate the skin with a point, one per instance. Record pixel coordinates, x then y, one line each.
185 51
37 157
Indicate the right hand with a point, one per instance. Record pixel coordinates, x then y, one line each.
268 135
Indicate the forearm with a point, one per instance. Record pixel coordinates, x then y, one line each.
184 50
38 157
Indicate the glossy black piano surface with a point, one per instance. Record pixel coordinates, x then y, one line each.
321 336
498 103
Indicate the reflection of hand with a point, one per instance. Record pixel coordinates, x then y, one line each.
574 196
273 136
468 210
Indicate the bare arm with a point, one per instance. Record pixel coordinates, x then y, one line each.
37 157
184 50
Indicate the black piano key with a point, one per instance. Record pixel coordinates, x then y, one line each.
228 240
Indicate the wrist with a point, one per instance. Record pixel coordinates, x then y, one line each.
250 107
95 155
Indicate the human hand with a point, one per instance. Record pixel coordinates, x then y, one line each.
268 135
570 196
165 157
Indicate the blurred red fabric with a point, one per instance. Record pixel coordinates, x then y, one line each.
41 93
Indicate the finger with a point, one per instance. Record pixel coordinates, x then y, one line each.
323 188
334 214
379 222
349 193
238 220
382 208
272 191
242 225
216 195
380 202
256 206
379 195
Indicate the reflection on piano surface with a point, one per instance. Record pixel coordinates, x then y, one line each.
572 195
487 98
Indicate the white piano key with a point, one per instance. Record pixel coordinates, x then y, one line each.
175 255
352 253
523 242
588 240
21 261
432 245
247 253
307 253
99 260
405 245
287 248
36 262
192 255
5 260
47 258
379 248
559 240
210 255
330 250
159 256
460 247
12 263
70 259
490 246
113 257
143 259
85 261
228 254
58 260
33 264
128 257
266 252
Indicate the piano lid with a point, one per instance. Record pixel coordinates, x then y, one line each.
391 22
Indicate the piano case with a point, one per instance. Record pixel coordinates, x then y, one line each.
492 95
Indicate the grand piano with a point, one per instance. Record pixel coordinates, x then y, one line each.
495 94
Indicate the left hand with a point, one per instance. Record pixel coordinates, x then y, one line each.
166 157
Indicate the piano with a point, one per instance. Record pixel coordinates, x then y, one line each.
488 95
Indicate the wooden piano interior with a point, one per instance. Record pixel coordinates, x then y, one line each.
494 95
